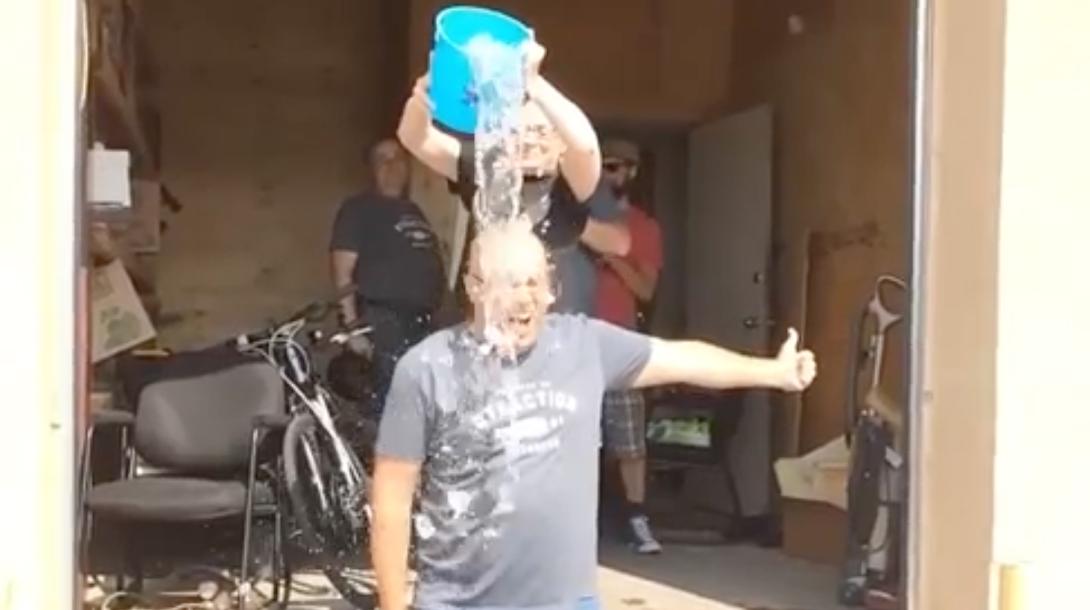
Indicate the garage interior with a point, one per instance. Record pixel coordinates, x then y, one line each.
245 122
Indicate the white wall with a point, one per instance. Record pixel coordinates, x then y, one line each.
1042 465
38 260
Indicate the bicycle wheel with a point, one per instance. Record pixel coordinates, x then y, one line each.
329 511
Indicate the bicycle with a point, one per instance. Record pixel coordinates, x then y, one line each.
327 482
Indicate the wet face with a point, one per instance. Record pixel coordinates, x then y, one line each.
390 167
508 283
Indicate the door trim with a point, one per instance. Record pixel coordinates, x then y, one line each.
922 57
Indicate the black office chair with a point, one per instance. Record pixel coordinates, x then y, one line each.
203 435
724 408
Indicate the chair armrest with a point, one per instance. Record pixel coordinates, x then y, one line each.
278 421
112 417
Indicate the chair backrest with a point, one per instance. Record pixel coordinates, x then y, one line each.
134 373
202 424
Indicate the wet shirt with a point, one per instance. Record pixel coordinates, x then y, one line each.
399 263
509 483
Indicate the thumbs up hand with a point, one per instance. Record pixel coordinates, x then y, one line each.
799 368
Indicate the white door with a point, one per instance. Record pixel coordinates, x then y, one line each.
727 260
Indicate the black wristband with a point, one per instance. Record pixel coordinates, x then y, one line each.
465 184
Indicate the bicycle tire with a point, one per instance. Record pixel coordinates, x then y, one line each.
343 554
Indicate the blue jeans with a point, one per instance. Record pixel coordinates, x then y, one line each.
393 332
589 603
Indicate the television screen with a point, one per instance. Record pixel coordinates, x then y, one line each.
686 428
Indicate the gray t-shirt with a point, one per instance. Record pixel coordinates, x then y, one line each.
509 485
575 268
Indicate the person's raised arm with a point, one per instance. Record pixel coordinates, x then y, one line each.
393 488
427 143
708 366
581 162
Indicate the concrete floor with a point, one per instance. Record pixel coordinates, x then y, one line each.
683 578
714 578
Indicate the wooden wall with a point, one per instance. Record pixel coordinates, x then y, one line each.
266 106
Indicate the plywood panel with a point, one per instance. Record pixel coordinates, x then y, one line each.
652 60
266 106
841 93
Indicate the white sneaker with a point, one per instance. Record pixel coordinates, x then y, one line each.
643 541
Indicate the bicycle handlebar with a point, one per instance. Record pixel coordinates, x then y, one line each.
313 312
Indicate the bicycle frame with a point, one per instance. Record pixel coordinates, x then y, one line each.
291 359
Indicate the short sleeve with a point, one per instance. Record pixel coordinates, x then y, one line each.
623 353
347 226
647 242
465 184
404 427
565 221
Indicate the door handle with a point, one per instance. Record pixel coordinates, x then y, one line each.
751 322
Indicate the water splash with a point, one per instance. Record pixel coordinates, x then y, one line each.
424 527
509 144
499 84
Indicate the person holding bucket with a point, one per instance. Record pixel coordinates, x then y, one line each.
558 141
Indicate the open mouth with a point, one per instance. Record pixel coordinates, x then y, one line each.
520 322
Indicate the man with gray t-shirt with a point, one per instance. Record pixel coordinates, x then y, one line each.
497 424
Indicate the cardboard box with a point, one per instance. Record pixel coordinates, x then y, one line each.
118 319
814 531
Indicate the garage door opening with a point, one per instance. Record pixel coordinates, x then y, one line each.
775 153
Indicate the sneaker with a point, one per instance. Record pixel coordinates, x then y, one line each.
643 541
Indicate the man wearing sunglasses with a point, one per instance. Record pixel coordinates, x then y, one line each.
624 283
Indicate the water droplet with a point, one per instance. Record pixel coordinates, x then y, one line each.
459 501
424 527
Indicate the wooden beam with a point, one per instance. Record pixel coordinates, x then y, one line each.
107 90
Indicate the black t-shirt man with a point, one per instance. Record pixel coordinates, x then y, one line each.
398 274
399 264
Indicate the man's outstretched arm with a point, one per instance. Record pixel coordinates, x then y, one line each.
394 485
708 366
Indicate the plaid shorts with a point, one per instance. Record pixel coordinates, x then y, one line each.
624 426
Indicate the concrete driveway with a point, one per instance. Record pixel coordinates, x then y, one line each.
684 577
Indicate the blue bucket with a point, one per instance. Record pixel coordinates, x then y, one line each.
451 76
